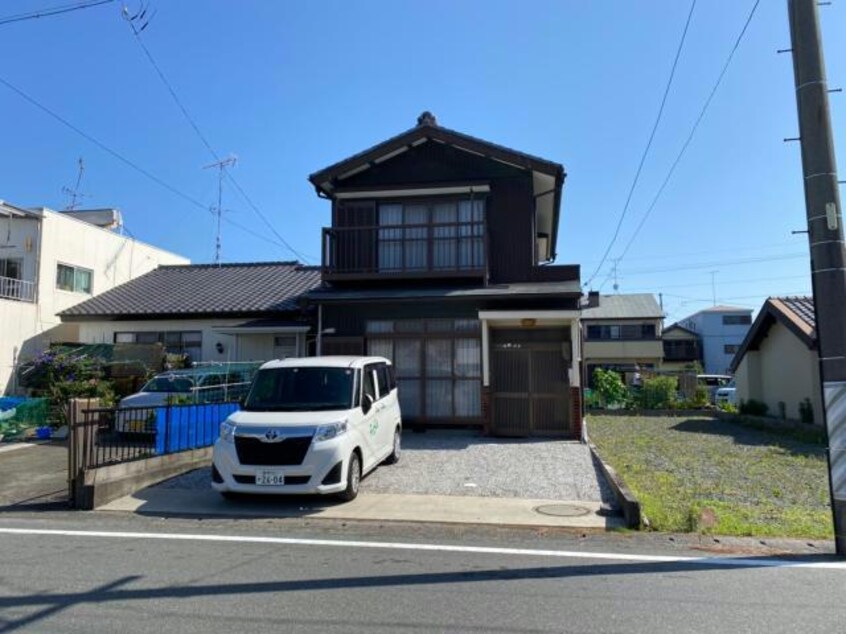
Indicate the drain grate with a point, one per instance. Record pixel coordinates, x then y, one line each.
562 510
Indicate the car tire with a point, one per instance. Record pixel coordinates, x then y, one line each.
353 479
397 450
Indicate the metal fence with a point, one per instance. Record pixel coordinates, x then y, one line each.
106 436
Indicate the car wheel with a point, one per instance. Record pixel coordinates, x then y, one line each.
397 451
353 479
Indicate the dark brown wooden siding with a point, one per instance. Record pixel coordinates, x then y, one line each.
510 218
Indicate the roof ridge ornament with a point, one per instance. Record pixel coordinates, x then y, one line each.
427 118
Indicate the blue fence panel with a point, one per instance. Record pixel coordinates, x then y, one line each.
185 427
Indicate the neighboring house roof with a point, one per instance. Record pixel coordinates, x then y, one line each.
678 326
252 289
326 294
631 306
795 313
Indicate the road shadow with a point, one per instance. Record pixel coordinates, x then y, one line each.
795 441
51 603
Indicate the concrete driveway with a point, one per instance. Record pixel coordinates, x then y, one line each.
443 476
33 476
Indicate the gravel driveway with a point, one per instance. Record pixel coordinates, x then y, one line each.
464 463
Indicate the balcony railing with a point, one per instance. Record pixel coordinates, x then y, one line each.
20 290
454 249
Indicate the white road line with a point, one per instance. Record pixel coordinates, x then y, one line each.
447 548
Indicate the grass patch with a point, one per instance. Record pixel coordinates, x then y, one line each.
728 477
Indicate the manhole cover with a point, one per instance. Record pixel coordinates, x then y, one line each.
562 510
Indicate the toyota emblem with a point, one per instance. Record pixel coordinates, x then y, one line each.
271 435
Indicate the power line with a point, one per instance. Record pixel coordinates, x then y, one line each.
203 139
693 129
648 145
43 13
710 265
128 162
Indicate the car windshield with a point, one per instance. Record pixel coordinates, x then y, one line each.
301 389
168 384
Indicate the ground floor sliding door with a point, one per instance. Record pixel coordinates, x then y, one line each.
438 364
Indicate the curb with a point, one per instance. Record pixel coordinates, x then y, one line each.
625 498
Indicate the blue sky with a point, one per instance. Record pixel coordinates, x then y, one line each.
290 87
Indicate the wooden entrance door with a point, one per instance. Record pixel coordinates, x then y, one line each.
530 382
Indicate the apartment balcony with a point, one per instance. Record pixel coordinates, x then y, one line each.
408 251
682 351
17 290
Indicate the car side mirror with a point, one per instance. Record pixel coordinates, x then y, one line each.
366 403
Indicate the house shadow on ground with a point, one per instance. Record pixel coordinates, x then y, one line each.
795 440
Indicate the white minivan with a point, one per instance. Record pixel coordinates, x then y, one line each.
310 425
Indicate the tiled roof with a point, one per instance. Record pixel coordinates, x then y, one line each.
208 289
794 313
630 306
802 307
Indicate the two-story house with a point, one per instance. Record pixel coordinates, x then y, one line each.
50 261
721 330
621 333
682 348
439 257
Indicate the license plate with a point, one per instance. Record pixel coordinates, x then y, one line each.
270 478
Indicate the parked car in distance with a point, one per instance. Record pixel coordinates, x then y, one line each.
713 382
310 425
209 384
727 394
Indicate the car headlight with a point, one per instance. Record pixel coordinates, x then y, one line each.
330 431
227 431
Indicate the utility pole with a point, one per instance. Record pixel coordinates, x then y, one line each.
825 234
218 211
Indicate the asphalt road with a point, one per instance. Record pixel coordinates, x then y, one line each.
154 575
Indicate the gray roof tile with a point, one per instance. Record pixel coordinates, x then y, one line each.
260 287
630 306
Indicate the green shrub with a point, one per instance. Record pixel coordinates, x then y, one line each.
60 377
754 408
658 392
700 397
609 386
727 407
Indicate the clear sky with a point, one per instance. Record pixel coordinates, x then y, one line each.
290 87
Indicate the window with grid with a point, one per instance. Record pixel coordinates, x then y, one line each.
188 342
442 235
437 362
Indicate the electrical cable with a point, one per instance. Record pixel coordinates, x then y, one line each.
128 162
648 146
50 11
206 143
693 129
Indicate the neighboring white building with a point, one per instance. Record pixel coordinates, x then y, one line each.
721 330
52 260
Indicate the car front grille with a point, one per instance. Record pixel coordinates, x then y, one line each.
289 452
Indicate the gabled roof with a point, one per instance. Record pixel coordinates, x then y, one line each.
678 326
722 308
795 313
630 306
252 289
428 128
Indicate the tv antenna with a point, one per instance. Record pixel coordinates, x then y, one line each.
218 211
75 195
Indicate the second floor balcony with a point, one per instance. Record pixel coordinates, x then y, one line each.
17 290
430 250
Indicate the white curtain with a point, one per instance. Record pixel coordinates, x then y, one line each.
444 234
471 214
390 239
416 251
